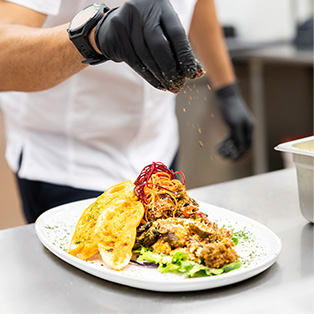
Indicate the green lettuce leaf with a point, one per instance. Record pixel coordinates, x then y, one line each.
180 264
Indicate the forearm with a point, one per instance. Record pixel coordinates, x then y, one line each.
33 59
207 40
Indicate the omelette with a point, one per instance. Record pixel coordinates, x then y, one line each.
108 226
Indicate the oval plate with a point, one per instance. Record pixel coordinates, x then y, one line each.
258 249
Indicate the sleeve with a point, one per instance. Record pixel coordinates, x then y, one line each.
50 7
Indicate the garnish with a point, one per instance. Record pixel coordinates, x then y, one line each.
179 264
144 179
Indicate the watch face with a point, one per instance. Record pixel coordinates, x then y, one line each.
83 16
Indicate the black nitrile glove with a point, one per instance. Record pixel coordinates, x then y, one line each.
239 120
149 37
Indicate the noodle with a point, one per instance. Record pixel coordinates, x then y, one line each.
159 185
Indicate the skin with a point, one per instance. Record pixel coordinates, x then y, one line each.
207 41
31 57
34 58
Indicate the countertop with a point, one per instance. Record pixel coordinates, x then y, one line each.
33 280
279 52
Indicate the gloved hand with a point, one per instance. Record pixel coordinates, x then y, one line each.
239 120
149 37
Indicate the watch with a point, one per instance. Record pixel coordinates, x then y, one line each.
80 28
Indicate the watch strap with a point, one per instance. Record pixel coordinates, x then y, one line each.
81 41
85 48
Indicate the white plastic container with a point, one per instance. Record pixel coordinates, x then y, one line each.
303 157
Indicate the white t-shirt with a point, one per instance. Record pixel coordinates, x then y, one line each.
97 128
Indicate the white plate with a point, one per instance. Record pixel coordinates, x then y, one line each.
258 249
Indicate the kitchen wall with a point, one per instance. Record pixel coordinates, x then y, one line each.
201 128
288 91
264 20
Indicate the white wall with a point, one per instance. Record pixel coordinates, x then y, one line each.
264 20
304 9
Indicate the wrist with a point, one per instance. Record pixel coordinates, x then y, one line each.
81 32
229 90
91 38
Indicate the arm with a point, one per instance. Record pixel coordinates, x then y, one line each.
207 39
33 58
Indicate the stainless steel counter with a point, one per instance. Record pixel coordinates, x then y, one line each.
281 53
35 281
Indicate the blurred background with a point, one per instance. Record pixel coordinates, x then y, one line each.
271 45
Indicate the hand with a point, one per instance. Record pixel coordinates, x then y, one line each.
149 37
239 120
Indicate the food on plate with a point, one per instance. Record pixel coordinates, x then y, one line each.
156 220
174 223
108 226
115 230
198 240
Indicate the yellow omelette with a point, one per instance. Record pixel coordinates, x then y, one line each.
108 226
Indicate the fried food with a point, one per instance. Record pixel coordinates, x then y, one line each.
197 239
173 221
82 244
109 226
115 230
155 212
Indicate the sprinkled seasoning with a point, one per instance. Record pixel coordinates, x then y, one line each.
251 251
250 245
60 236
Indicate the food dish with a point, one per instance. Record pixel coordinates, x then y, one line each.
258 248
108 226
173 235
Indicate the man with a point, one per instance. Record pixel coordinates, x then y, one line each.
75 129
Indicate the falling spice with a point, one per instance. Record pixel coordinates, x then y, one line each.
209 88
189 102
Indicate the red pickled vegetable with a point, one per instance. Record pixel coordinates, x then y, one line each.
144 176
